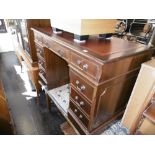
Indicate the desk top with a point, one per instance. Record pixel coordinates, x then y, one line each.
104 50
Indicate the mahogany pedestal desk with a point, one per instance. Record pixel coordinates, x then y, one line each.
100 73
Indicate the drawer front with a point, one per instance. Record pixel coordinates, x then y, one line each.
41 63
40 57
42 75
57 48
82 86
38 38
40 50
42 82
82 103
76 125
87 66
80 116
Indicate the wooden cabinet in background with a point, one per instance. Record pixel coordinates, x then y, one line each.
25 47
142 93
147 123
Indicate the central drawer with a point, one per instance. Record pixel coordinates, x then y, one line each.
42 75
57 48
81 102
82 86
41 64
39 50
87 66
38 37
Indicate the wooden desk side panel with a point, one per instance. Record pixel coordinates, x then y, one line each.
128 64
139 99
113 96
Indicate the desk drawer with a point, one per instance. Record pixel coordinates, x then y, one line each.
81 85
81 102
40 50
38 38
41 66
57 48
87 66
80 116
42 75
41 63
40 57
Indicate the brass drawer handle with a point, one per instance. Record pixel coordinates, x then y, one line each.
77 82
81 103
85 67
80 116
82 88
76 97
75 110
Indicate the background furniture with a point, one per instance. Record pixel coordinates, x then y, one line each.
140 97
147 122
98 76
6 122
24 45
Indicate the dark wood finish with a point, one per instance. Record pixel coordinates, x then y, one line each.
79 115
87 66
86 88
115 92
57 48
39 50
57 70
6 122
33 23
82 130
80 101
4 111
102 74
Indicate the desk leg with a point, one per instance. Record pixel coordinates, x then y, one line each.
48 101
37 98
